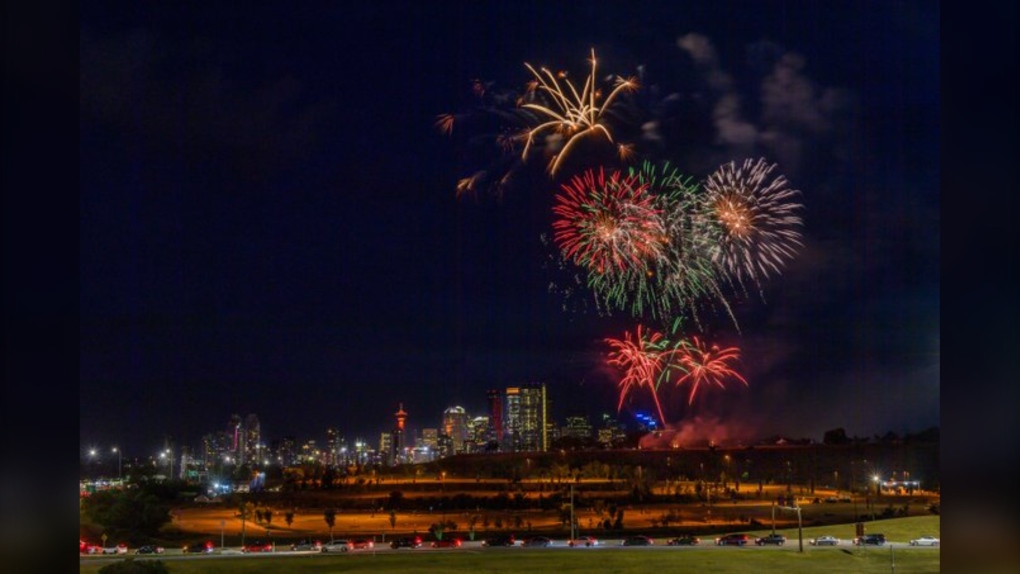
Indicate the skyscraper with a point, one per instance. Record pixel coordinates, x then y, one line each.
527 417
236 431
334 444
455 426
512 437
534 418
480 429
495 416
252 440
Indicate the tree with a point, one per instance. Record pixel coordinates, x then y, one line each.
835 436
330 516
396 500
618 525
267 515
288 517
393 519
437 530
134 512
244 509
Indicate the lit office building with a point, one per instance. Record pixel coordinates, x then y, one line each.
527 417
455 426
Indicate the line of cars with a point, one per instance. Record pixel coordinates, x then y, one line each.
86 548
411 542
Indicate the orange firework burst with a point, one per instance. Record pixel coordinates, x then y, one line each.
572 115
706 365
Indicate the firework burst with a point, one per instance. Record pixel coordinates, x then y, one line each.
608 225
750 219
668 274
569 115
705 364
644 358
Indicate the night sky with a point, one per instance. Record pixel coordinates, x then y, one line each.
269 224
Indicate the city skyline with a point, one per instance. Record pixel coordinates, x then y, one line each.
271 222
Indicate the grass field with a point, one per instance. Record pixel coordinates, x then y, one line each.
786 560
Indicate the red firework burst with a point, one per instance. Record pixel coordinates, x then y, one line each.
643 359
608 225
703 364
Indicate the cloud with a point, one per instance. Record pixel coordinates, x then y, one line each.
191 96
796 122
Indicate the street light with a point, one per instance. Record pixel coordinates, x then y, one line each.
119 473
163 455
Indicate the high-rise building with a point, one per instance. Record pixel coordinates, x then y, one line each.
430 439
512 425
577 427
386 444
527 417
534 418
444 445
236 431
495 399
252 440
286 451
611 432
479 429
455 426
397 454
310 452
334 447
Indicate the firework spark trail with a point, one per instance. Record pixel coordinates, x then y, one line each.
608 226
708 365
575 115
751 219
643 359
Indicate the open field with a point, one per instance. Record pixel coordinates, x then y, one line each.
621 561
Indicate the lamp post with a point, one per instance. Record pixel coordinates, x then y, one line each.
573 533
119 473
171 457
800 527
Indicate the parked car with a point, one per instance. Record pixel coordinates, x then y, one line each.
406 542
199 548
638 540
258 546
540 541
362 544
586 541
825 540
684 540
307 544
925 541
870 540
733 540
448 542
118 549
338 546
502 540
775 539
149 549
